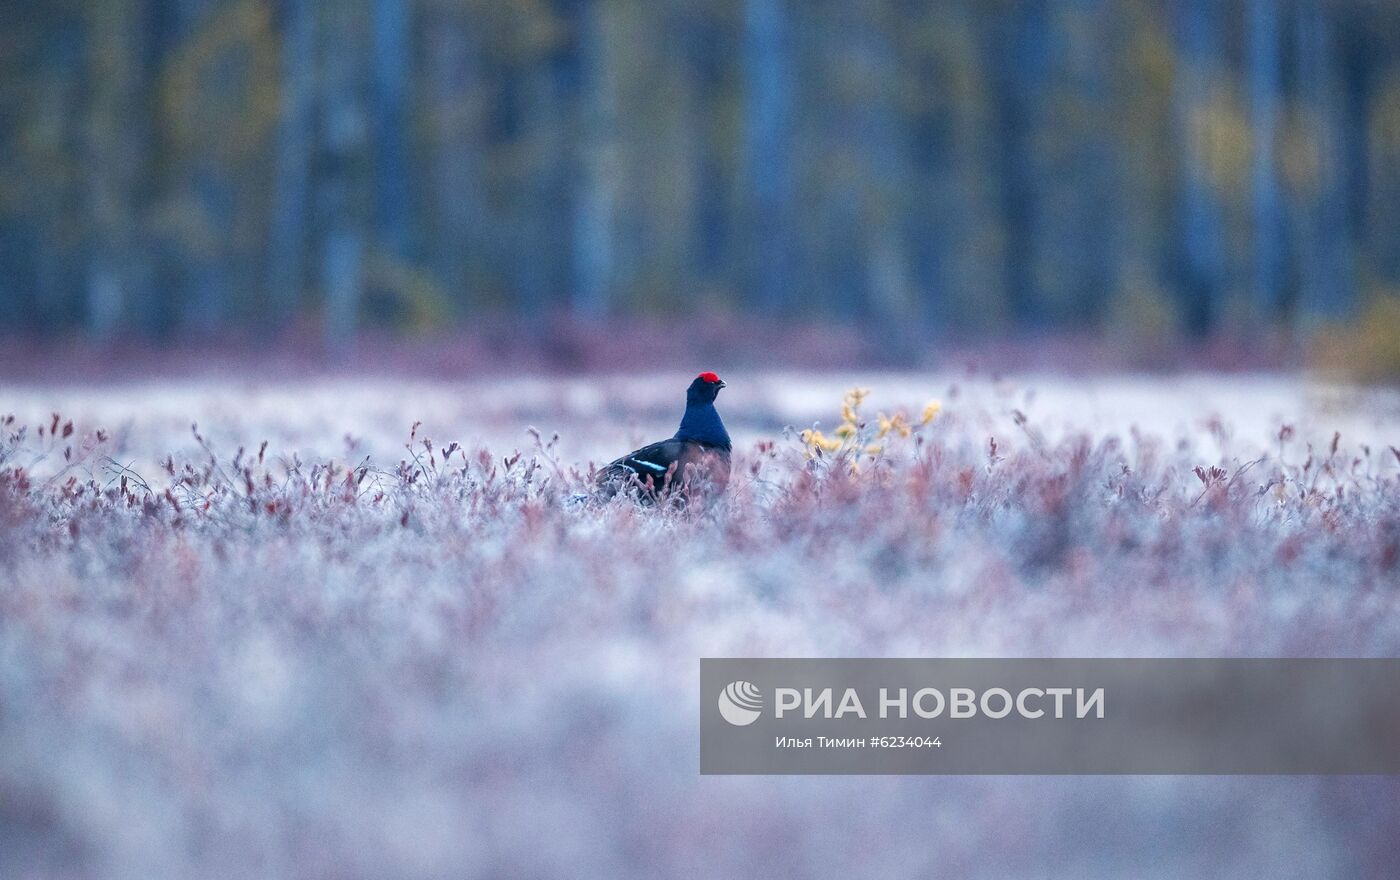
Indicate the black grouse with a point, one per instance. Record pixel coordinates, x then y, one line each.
692 464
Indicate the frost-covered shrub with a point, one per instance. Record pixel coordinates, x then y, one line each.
248 663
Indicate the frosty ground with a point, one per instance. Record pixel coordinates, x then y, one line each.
385 645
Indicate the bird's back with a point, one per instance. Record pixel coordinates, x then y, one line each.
683 467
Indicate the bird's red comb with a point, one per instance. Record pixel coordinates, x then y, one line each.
708 377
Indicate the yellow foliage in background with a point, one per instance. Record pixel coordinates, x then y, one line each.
1367 350
221 92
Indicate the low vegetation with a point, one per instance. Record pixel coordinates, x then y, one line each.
248 661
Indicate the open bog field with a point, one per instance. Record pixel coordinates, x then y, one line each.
358 627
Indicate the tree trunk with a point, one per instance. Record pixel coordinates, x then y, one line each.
1264 101
1200 261
393 211
768 102
454 81
1018 71
342 184
1327 272
111 160
288 233
599 168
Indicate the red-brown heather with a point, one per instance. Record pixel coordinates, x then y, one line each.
189 620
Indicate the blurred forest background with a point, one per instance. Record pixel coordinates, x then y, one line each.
177 170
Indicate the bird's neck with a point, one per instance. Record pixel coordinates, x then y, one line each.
701 423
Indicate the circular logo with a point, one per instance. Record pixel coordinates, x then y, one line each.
740 703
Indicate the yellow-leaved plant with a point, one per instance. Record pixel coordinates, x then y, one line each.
857 439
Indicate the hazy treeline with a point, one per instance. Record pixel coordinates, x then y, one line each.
179 167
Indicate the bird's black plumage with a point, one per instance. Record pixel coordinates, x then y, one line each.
695 462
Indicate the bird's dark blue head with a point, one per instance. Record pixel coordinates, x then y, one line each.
704 389
701 422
